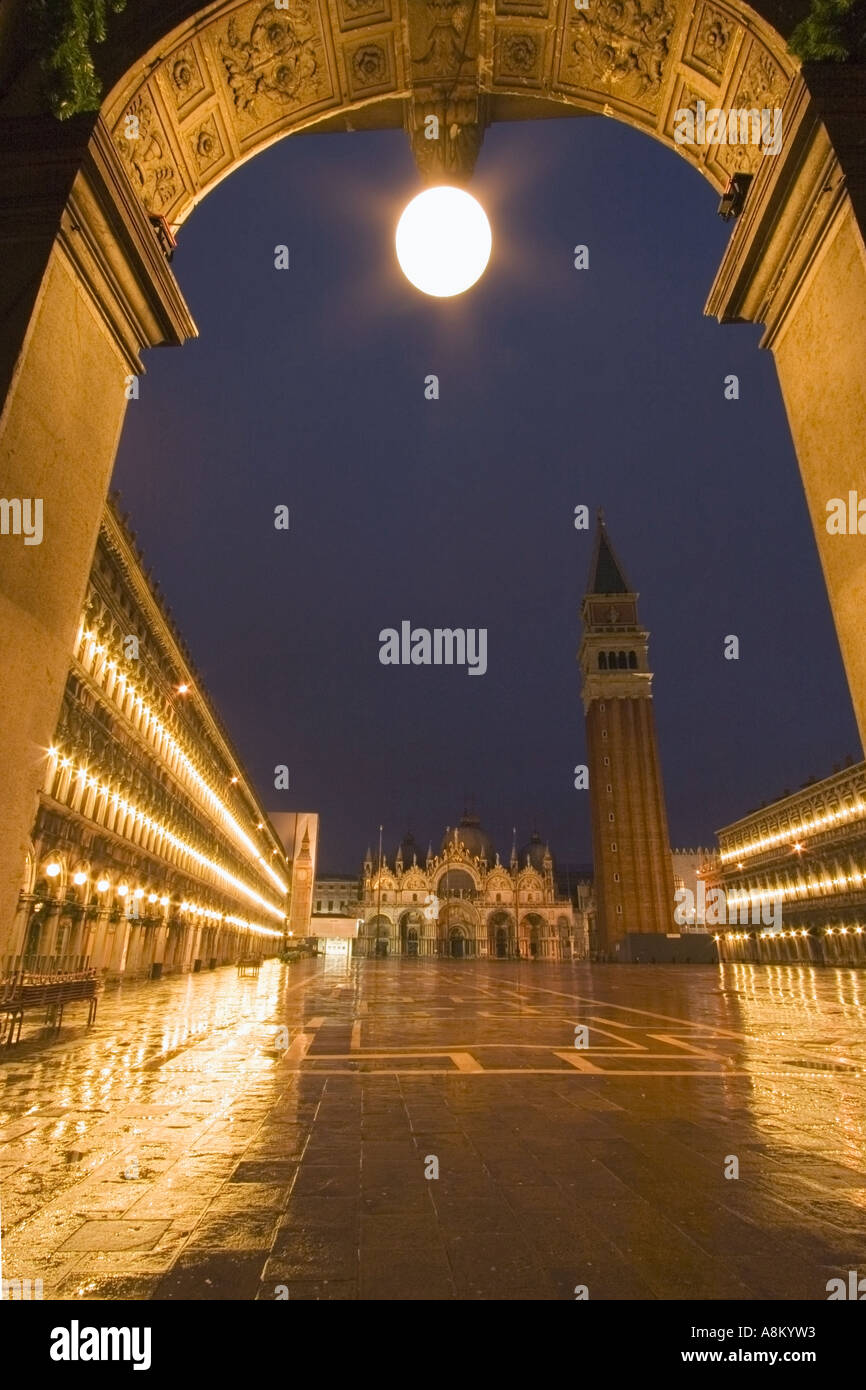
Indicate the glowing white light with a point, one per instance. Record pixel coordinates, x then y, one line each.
443 241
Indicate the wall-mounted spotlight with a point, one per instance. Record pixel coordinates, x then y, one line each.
734 197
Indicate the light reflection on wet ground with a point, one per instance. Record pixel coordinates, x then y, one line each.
172 1152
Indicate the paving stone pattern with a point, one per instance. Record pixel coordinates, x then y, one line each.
172 1152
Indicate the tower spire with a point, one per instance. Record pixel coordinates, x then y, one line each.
606 574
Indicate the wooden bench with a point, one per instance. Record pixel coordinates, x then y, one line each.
249 965
26 991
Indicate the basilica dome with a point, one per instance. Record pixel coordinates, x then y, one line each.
408 848
535 850
475 841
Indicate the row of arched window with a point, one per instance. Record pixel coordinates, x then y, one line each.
617 661
107 674
85 794
163 738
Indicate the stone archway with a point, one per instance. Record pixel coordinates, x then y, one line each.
86 286
459 927
501 940
458 943
232 78
532 934
410 926
378 934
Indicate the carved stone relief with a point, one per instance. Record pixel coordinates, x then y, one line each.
370 66
442 38
711 41
621 45
353 14
147 154
519 56
762 83
206 145
539 9
274 59
186 81
453 154
250 71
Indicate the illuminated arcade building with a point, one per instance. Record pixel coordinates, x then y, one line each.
463 902
150 852
807 851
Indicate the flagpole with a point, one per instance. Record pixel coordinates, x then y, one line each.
378 893
516 895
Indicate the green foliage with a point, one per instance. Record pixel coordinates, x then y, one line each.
834 31
64 31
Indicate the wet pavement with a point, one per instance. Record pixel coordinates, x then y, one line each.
431 1131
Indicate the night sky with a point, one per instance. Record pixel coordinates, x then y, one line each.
558 387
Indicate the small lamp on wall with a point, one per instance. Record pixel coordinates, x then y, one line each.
734 197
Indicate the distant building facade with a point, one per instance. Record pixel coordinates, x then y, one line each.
463 902
805 853
693 866
633 875
336 914
150 851
337 894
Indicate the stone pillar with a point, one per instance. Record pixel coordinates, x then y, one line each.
796 262
17 939
159 943
98 938
84 286
195 944
117 942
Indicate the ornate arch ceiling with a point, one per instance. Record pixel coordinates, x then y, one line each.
242 73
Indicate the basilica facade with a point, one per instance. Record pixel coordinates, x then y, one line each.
463 902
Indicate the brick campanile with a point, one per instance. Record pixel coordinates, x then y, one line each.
634 885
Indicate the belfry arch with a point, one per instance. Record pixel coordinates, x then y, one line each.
85 284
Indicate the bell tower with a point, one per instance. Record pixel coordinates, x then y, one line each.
631 847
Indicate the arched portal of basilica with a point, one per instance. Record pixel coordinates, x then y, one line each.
464 903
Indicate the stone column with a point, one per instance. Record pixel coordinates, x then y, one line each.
195 945
159 943
117 942
84 286
796 262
